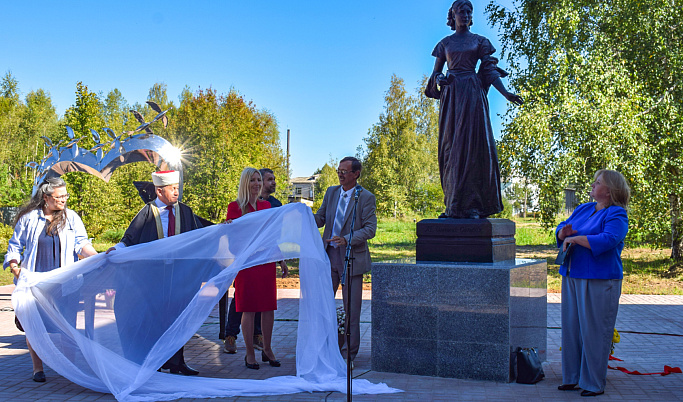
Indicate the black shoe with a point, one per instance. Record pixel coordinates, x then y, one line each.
586 392
265 358
184 369
39 376
254 366
568 387
181 368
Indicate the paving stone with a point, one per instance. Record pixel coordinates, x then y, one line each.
640 317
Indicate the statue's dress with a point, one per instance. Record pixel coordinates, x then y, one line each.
468 162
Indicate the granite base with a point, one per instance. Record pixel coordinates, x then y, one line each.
465 240
460 320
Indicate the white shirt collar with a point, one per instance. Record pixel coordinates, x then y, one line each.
159 204
348 192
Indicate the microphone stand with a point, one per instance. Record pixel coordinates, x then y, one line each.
348 259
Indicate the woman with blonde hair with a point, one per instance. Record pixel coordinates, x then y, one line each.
591 282
255 287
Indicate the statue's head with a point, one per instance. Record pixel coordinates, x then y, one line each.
457 5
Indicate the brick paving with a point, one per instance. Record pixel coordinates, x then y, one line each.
640 320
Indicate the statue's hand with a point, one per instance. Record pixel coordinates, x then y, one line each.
441 80
516 99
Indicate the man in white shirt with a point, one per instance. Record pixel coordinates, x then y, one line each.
335 214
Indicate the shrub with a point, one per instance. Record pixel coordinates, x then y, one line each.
112 235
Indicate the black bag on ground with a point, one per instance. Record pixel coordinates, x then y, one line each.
529 368
18 324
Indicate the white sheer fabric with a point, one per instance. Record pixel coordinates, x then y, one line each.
164 292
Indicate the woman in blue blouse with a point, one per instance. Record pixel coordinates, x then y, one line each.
47 235
591 282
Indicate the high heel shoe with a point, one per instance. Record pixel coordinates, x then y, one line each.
265 358
39 376
254 366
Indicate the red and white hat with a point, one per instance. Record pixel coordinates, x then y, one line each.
166 178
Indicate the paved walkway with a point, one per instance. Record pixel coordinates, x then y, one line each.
643 322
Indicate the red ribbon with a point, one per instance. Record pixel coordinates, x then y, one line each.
667 369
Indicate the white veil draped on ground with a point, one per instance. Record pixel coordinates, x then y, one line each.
164 291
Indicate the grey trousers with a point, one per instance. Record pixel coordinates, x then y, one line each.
337 264
589 312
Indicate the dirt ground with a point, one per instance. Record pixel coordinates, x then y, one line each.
536 251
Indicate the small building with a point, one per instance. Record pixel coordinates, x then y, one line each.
303 189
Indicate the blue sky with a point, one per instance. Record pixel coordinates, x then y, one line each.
321 67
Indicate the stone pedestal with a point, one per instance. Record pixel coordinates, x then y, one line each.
459 320
465 240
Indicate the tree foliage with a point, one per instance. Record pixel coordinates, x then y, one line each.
224 134
521 195
21 126
399 159
328 177
603 90
220 134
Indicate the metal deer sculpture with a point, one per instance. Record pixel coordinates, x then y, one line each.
110 152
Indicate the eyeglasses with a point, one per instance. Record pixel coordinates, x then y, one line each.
344 172
61 197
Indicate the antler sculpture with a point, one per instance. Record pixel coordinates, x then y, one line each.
107 156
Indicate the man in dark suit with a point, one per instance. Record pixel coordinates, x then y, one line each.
163 217
268 188
335 215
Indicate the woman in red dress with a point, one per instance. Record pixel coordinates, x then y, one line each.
255 288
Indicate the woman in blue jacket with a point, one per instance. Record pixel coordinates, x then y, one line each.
47 235
591 282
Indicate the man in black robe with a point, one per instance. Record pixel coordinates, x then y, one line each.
160 218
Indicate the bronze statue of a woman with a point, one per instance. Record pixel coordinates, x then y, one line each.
468 161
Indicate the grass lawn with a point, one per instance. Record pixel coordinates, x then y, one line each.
646 271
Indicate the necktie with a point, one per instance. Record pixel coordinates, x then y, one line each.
339 217
171 220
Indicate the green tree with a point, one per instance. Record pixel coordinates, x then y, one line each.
158 95
400 154
102 206
428 194
521 194
328 177
602 89
115 111
22 125
9 89
220 134
11 109
223 134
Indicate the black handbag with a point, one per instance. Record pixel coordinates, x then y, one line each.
18 324
529 368
563 256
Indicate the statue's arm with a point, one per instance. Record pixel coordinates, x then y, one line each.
516 99
436 80
438 71
438 65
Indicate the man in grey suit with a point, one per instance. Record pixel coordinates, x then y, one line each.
335 215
